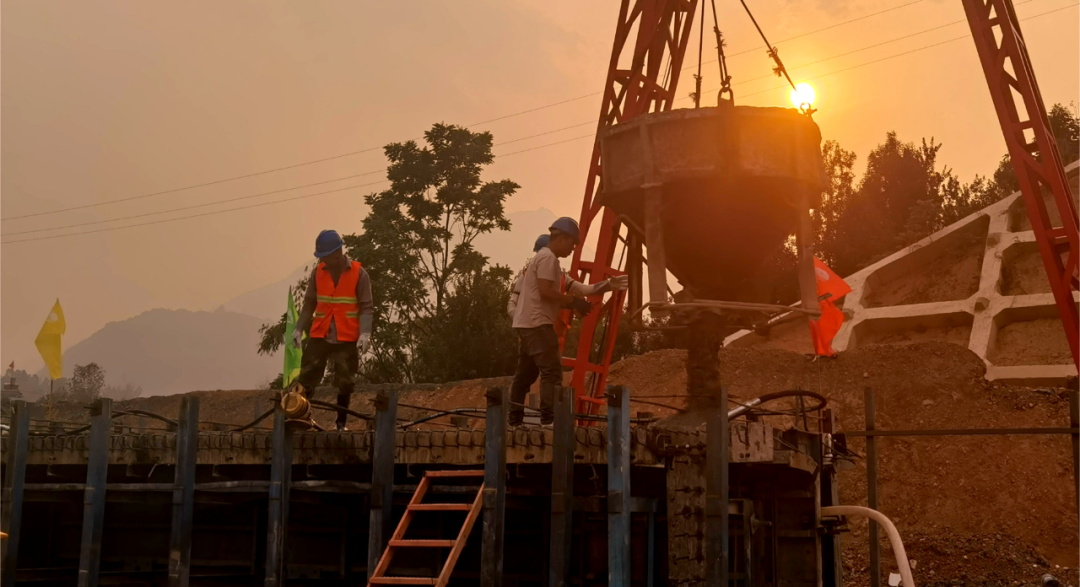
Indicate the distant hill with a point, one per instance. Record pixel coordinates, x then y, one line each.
174 351
267 302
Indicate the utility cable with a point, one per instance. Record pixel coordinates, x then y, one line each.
370 149
261 204
916 50
250 196
881 44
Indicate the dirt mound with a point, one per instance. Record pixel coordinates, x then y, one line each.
944 559
1019 485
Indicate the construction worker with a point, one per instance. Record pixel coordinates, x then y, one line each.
515 288
337 315
567 284
540 299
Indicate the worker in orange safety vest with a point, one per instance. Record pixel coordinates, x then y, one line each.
337 315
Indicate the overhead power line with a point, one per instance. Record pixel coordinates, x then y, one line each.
370 149
211 213
582 137
909 52
249 206
289 189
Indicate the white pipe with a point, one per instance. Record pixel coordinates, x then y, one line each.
890 531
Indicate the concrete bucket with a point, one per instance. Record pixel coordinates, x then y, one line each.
721 188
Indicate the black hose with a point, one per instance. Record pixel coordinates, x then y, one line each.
253 423
467 412
117 413
335 407
768 397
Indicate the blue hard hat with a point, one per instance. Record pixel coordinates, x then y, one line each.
541 242
567 225
327 242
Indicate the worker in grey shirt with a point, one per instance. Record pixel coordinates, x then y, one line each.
337 315
539 302
567 284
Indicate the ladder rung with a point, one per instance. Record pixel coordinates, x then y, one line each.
441 507
422 543
452 473
402 580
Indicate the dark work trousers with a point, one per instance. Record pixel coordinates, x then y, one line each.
345 358
538 355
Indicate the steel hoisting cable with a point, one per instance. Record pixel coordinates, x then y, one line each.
700 48
774 53
725 79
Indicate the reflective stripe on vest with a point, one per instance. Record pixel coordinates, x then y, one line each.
337 304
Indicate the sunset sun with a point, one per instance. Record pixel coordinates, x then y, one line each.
802 95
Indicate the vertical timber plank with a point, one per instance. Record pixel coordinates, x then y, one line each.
562 488
491 562
14 485
382 477
183 503
618 464
277 520
871 489
97 471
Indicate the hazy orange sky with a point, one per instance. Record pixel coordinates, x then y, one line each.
109 100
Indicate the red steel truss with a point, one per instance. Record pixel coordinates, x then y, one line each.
1034 153
650 42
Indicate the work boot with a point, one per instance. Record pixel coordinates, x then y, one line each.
342 402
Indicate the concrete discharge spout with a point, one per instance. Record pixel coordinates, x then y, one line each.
890 531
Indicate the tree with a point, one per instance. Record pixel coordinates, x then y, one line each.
32 387
417 244
122 392
475 338
1065 125
839 166
87 381
418 239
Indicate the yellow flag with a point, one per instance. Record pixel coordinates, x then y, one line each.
48 341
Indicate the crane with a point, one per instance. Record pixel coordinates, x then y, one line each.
646 60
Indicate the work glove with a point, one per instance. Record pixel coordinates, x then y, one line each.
364 342
297 337
581 306
618 283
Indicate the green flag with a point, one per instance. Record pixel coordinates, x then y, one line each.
291 370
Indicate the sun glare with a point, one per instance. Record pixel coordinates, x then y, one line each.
802 95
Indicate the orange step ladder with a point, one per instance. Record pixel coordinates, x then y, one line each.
398 540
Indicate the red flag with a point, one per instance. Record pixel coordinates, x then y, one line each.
830 287
824 329
829 282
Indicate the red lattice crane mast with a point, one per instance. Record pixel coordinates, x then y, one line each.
650 42
646 60
1032 150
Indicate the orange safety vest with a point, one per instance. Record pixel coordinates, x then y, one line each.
337 304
